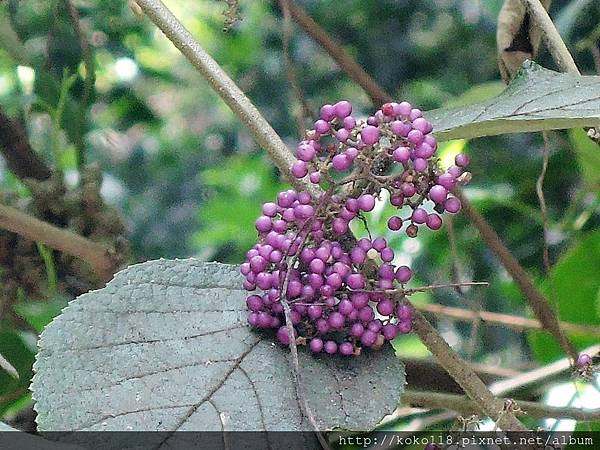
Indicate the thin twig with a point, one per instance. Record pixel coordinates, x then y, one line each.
511 321
339 55
551 37
539 188
539 304
464 375
96 255
222 84
540 375
90 69
304 111
465 406
455 272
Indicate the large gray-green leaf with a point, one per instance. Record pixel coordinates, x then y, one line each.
5 427
165 346
21 440
537 99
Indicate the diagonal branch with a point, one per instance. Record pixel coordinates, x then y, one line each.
21 159
222 84
465 376
339 55
539 304
96 255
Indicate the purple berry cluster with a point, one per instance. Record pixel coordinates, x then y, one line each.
343 296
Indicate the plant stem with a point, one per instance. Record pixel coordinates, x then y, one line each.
96 255
48 258
465 406
464 375
534 297
551 37
222 84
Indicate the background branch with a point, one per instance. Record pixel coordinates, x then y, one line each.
339 55
96 255
466 407
21 159
516 322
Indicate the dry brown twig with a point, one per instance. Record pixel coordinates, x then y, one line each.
508 320
96 255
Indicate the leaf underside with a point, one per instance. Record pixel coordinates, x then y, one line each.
165 347
537 99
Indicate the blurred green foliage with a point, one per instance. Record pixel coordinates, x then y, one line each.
189 180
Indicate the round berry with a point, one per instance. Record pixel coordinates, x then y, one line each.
370 135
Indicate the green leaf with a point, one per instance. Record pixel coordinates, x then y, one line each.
537 99
575 286
588 157
165 346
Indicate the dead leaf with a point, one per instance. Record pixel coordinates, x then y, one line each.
517 37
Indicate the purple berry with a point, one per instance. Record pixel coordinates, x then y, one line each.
327 112
330 347
369 135
434 222
394 223
438 194
341 162
355 281
315 177
401 154
452 205
385 307
316 345
390 331
584 360
343 109
366 202
403 274
306 152
299 169
321 126
368 338
346 348
283 336
461 160
419 216
336 320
